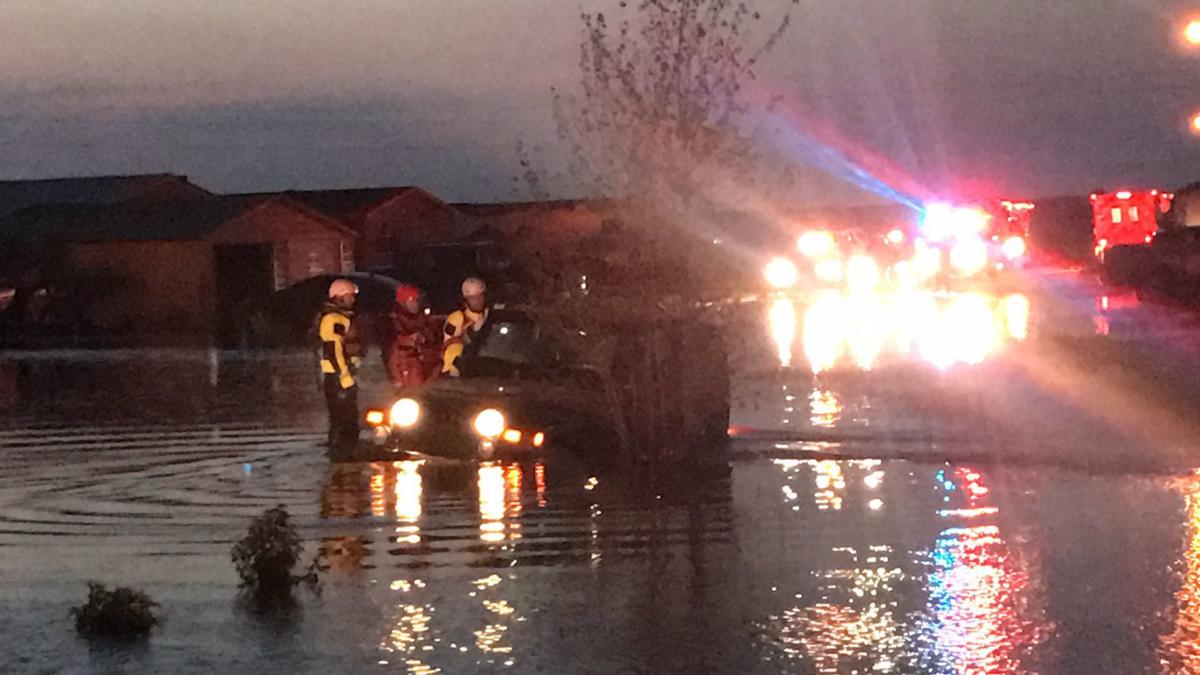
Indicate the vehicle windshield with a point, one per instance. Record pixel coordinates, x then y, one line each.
510 343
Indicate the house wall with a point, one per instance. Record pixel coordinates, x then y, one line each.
412 219
148 287
537 225
161 288
1188 204
304 245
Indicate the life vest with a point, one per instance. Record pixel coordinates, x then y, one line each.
337 347
461 328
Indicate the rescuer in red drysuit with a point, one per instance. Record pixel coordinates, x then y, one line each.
408 330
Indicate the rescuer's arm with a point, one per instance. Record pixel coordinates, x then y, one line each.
452 342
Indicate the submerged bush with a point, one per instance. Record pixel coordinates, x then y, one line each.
122 613
267 556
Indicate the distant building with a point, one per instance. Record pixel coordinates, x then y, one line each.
387 220
19 194
1186 209
544 223
180 267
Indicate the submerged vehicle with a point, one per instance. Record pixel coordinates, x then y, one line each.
531 385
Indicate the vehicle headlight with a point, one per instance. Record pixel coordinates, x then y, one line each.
405 413
927 260
816 243
862 273
1013 247
969 255
829 270
781 273
490 423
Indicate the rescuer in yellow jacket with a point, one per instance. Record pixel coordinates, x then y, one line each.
339 360
463 325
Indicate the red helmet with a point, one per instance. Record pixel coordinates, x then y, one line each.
405 292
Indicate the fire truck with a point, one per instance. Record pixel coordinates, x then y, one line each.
1011 219
1126 218
1009 230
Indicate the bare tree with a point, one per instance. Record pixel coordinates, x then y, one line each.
660 123
659 120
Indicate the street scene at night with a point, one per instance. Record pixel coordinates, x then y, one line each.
676 336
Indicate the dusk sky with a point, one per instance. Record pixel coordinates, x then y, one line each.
1031 97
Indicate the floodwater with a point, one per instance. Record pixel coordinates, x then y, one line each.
839 541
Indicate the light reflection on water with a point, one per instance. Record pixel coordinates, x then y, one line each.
985 602
911 572
857 330
431 500
824 407
987 609
1179 650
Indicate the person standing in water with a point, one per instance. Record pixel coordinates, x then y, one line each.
339 361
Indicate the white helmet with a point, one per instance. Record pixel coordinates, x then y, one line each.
342 287
473 287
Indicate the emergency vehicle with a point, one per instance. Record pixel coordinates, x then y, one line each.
1009 230
1126 218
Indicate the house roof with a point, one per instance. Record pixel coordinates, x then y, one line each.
19 194
503 208
166 221
348 205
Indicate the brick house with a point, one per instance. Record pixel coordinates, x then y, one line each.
542 223
388 221
21 263
175 268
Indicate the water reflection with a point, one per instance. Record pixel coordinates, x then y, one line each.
410 637
1179 651
860 329
1016 316
854 623
864 632
396 489
447 516
823 332
984 603
492 639
781 317
825 410
499 502
986 608
829 485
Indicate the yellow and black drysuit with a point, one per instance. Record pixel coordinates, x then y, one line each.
462 327
339 360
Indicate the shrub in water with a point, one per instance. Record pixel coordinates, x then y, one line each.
122 613
266 557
